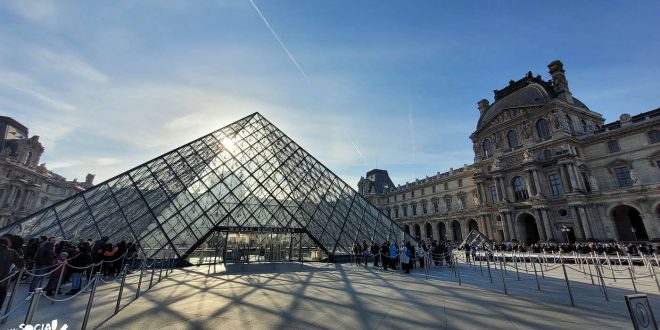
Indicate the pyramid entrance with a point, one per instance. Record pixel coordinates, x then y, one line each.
246 191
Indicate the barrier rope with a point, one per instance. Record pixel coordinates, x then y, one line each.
8 277
82 290
28 298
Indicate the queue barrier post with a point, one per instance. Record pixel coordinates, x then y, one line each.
88 309
536 275
13 294
121 289
568 284
137 291
34 301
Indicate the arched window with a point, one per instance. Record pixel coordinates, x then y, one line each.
488 148
569 121
512 136
584 126
542 128
520 188
654 136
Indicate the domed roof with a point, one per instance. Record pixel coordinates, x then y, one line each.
528 91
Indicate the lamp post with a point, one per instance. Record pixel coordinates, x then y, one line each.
565 230
634 231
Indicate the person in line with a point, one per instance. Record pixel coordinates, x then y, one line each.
80 260
405 257
8 257
43 262
374 253
357 251
394 253
54 278
385 254
365 252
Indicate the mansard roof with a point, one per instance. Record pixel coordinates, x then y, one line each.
528 91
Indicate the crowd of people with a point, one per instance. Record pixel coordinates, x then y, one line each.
44 259
404 256
580 247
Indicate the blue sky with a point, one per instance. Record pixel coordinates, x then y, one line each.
365 84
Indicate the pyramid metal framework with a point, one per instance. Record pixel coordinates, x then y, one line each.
246 176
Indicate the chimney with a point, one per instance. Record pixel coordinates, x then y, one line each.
559 82
483 106
89 178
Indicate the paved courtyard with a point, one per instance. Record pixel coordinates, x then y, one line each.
343 296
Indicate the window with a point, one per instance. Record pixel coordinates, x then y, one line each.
555 185
520 188
460 183
422 191
396 212
463 201
412 193
654 136
446 185
493 194
433 189
414 209
448 203
424 208
405 210
389 213
547 154
512 136
613 146
488 148
623 176
542 128
570 123
436 207
395 197
584 126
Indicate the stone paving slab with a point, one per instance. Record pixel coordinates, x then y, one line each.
339 296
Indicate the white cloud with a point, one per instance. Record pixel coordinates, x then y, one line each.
107 161
71 64
40 12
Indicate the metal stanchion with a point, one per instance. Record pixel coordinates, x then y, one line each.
503 281
618 256
656 278
591 276
632 279
515 264
504 263
13 294
458 272
121 289
536 275
160 272
610 264
90 301
153 270
59 282
602 282
630 266
34 301
490 276
525 261
137 291
568 285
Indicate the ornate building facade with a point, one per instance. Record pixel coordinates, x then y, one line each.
26 185
546 168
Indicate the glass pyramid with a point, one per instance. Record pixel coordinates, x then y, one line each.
246 176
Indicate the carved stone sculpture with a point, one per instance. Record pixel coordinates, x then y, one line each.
593 183
634 177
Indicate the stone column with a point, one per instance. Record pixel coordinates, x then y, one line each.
510 225
481 192
585 222
528 179
8 195
505 227
541 225
548 227
422 231
436 230
578 177
571 176
537 183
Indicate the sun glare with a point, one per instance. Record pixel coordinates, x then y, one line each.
228 143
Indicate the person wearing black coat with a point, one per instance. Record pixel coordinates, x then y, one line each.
43 262
80 260
7 257
374 252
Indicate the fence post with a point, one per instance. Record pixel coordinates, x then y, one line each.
34 301
458 271
490 276
504 261
13 294
515 264
609 264
536 275
568 285
137 291
121 290
90 301
503 281
59 282
160 271
591 275
632 279
481 257
153 270
602 282
525 260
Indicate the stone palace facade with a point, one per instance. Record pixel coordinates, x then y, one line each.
546 168
25 185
